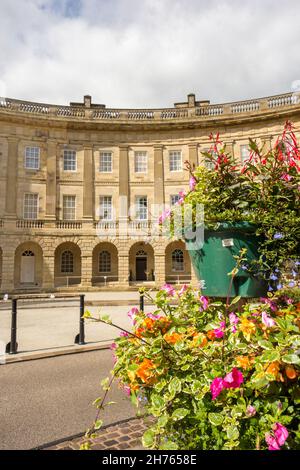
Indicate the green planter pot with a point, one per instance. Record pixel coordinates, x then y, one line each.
215 260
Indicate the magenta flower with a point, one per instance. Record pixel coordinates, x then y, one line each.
271 441
182 195
216 387
234 379
219 332
192 183
124 334
250 411
281 433
286 177
169 289
133 312
113 346
204 301
280 436
154 317
233 321
268 321
183 289
166 213
126 390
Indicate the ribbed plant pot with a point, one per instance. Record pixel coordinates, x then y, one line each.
215 259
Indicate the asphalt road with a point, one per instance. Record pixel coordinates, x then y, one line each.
49 399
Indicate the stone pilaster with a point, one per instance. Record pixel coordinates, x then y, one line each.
123 270
193 154
8 261
51 181
86 269
48 271
160 269
88 184
159 192
11 177
124 174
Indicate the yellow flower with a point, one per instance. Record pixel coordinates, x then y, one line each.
245 362
247 328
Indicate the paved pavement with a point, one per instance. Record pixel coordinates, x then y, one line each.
46 400
42 326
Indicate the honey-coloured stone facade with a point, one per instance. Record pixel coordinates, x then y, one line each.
47 250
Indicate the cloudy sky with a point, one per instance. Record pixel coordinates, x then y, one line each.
148 53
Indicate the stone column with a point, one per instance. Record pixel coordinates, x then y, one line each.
88 184
193 154
48 271
11 178
159 192
124 173
51 181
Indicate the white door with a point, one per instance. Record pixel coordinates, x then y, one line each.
27 269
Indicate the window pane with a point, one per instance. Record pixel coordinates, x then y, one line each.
32 158
177 260
141 208
140 162
67 262
175 160
30 206
69 160
174 199
69 206
104 262
106 162
106 209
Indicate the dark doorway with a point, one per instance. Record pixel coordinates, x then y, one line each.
141 268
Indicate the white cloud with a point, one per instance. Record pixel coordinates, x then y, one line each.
135 53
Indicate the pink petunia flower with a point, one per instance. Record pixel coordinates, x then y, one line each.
166 213
204 301
250 411
216 387
219 332
183 289
192 183
281 433
126 390
233 321
234 379
268 321
133 312
124 334
154 317
169 289
271 441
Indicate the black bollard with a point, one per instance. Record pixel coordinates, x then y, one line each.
142 301
13 338
79 339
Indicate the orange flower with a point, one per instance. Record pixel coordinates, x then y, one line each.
274 369
138 332
245 362
247 328
145 370
291 373
173 338
211 334
149 323
197 340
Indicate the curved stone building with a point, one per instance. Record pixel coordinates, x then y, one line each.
67 172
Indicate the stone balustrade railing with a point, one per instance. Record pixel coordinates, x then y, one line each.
100 113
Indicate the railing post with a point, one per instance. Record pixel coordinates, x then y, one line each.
142 303
80 337
13 339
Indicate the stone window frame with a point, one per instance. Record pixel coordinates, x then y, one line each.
28 208
105 166
68 163
67 262
32 153
141 208
141 166
177 258
103 207
65 208
104 262
173 157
